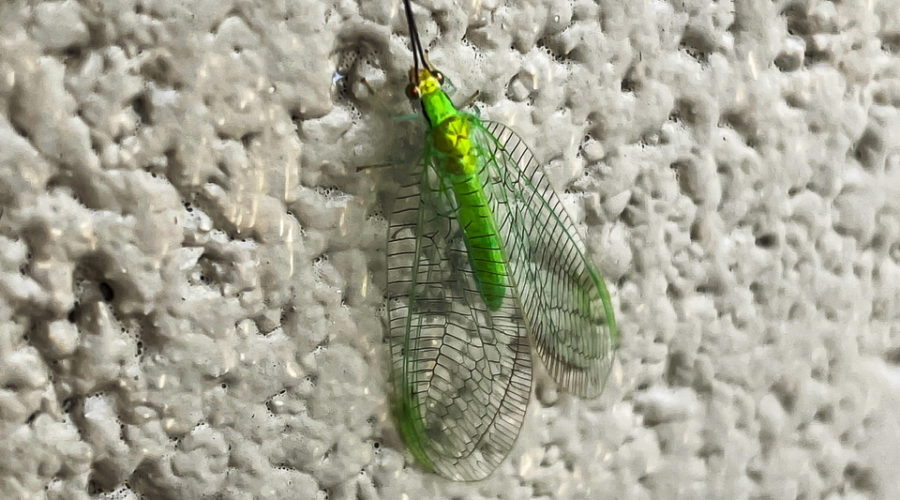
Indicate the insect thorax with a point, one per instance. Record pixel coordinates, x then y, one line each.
452 144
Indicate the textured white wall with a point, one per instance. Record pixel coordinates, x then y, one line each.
191 270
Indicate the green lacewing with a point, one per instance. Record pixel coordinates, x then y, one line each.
484 266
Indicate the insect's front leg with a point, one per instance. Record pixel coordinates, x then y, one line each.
470 101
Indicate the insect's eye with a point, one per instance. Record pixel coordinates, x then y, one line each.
439 76
412 91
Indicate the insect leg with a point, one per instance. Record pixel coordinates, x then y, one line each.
471 100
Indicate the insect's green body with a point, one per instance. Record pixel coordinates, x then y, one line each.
450 148
484 267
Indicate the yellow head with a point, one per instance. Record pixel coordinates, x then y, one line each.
424 83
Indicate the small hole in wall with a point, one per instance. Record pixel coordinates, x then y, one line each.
766 241
74 314
107 291
68 404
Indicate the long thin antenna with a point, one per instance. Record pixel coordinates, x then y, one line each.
418 53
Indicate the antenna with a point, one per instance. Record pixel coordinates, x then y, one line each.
418 52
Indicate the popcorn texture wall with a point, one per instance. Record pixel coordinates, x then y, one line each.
192 270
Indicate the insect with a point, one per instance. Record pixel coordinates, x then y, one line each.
484 266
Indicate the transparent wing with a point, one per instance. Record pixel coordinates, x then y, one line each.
461 372
562 294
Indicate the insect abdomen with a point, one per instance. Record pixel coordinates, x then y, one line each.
458 159
481 238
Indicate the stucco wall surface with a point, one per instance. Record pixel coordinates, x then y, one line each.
192 269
